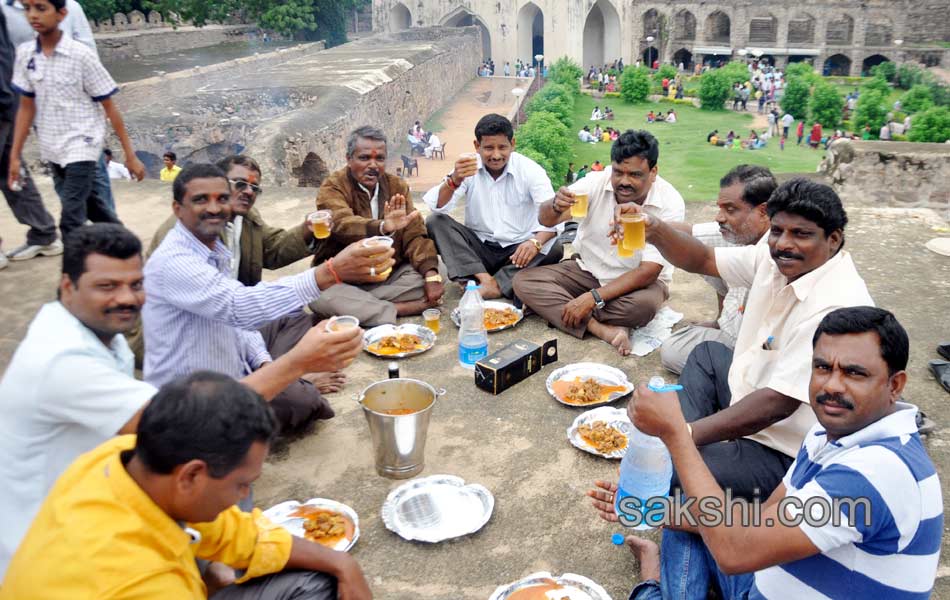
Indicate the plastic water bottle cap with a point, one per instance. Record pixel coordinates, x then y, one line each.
616 539
470 285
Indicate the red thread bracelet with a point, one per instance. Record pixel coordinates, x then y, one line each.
333 271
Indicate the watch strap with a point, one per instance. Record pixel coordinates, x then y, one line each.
597 299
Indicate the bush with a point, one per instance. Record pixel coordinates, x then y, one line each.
878 84
667 100
735 72
801 70
795 98
899 138
887 70
556 99
665 71
715 88
545 164
908 75
566 72
870 110
825 105
917 98
635 84
544 133
932 125
611 94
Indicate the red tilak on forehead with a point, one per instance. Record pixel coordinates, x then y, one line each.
374 154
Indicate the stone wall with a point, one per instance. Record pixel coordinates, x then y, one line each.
126 44
890 173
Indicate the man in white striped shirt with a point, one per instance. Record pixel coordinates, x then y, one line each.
196 315
862 474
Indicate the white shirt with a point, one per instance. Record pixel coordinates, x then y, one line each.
63 394
733 298
787 120
118 171
434 141
503 210
597 255
68 87
235 227
789 313
74 24
373 200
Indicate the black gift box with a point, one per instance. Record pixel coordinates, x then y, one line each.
516 361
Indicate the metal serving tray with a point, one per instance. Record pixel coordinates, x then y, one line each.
437 508
604 375
614 417
576 587
280 515
377 333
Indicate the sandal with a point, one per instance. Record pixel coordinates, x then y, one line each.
941 371
925 425
944 350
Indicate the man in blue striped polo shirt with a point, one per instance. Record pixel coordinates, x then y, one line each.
864 459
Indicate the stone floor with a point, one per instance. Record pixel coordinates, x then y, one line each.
515 443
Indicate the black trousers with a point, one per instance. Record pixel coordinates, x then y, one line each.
75 185
464 254
749 468
27 205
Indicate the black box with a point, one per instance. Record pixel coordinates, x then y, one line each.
516 361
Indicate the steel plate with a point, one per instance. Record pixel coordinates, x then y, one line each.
614 417
602 373
437 508
576 587
456 317
280 515
377 333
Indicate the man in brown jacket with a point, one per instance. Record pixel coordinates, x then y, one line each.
367 202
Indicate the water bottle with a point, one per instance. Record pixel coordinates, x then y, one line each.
645 473
473 338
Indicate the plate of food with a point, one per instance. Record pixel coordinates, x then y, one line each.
498 316
544 586
604 431
437 508
398 341
588 384
326 522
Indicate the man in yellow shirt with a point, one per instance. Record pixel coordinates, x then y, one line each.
171 170
128 519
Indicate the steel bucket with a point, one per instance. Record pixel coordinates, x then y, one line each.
399 440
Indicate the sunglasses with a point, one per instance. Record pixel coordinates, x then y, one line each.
241 185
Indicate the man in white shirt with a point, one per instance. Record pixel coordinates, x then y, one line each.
434 144
70 385
742 221
787 121
116 170
600 291
502 190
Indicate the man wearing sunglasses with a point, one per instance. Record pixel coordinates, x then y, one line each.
256 246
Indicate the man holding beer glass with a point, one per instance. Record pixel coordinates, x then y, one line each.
607 290
502 191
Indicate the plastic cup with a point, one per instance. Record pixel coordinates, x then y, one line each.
342 323
382 241
579 208
471 156
432 316
320 223
634 231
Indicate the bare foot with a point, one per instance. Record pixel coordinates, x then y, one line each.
616 336
488 286
647 554
218 576
412 308
326 383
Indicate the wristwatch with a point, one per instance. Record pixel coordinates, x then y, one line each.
536 243
598 301
434 278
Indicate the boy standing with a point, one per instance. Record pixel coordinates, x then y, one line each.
62 86
171 170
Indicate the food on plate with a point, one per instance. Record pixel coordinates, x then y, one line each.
584 391
602 437
323 526
549 590
496 318
397 344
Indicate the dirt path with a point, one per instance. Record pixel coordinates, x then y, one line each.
457 121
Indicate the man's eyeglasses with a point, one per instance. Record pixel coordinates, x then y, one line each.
241 185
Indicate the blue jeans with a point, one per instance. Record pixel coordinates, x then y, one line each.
75 185
102 185
688 569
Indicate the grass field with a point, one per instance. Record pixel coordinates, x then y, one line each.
686 160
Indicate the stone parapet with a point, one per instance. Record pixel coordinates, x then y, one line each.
124 44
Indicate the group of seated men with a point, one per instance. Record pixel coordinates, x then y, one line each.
796 338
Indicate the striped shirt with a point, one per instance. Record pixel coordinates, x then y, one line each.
197 317
896 556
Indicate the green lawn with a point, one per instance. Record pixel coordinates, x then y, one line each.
686 160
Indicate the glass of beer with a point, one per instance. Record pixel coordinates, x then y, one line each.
579 208
473 168
383 241
342 323
634 231
320 223
432 316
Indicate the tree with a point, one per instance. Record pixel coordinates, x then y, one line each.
795 98
566 72
917 99
735 72
932 125
908 75
665 72
871 110
714 89
635 84
878 84
100 10
826 104
550 138
886 69
555 99
801 70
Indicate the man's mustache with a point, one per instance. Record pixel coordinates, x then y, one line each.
834 399
372 172
207 216
128 308
625 188
791 255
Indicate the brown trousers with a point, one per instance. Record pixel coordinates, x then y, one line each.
546 290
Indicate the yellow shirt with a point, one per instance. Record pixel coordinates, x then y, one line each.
167 174
99 536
